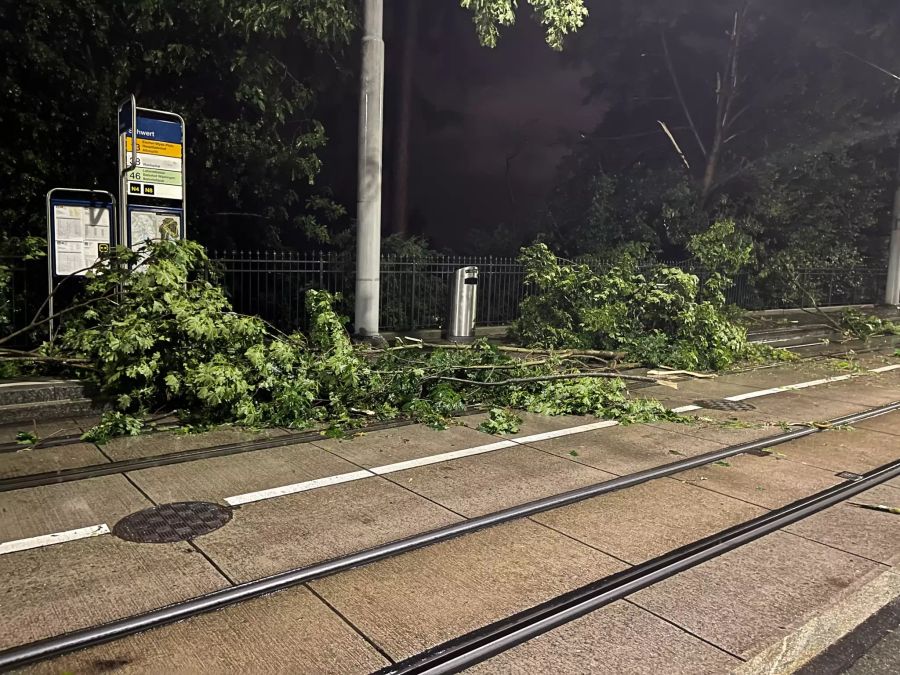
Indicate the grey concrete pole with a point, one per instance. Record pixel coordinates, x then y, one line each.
892 292
368 211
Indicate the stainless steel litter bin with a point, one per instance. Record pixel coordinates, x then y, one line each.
463 296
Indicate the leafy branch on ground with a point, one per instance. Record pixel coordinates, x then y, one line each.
863 326
501 421
661 316
164 337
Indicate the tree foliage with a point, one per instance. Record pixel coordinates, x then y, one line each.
657 316
558 17
153 332
774 114
244 75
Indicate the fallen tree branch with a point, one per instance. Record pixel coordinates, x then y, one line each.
549 378
667 372
75 363
562 353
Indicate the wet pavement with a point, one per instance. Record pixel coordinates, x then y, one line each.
319 500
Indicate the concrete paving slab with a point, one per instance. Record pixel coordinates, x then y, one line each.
857 450
769 482
532 423
377 448
219 477
74 585
767 418
785 374
418 600
473 486
883 357
87 422
165 442
886 424
288 632
39 460
272 536
43 430
792 407
872 534
648 520
868 390
691 389
626 449
752 596
720 430
55 508
621 638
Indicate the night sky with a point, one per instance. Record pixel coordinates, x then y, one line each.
519 100
473 108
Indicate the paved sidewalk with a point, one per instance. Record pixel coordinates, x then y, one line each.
305 503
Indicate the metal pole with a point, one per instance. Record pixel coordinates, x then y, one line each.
368 212
892 291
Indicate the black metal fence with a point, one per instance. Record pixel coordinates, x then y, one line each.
415 291
21 292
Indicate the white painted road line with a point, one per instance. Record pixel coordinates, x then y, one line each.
55 538
412 463
297 487
686 408
443 457
885 369
44 382
788 387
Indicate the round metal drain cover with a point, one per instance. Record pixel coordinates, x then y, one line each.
726 405
172 522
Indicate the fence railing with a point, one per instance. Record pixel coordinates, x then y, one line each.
415 291
17 296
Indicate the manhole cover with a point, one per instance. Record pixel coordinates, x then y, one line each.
726 405
172 522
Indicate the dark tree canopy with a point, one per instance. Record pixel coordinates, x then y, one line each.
772 112
245 76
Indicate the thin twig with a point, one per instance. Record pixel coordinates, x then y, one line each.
34 324
546 378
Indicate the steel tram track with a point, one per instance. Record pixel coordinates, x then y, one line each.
222 450
483 643
59 645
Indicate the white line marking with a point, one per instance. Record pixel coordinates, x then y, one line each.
686 408
298 487
547 435
816 383
443 457
22 384
55 538
413 463
885 369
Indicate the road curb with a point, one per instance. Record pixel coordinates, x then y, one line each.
805 643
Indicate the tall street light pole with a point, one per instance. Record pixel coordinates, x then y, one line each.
368 209
892 290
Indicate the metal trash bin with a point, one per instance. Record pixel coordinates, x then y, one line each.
463 296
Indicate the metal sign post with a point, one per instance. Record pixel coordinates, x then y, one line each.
152 166
81 229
